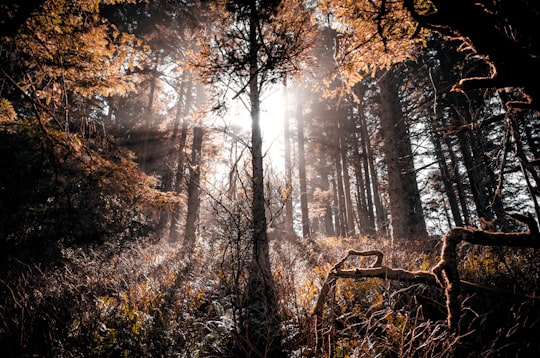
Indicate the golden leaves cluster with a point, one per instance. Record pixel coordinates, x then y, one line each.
67 48
371 35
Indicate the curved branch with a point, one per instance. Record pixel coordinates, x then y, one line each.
445 274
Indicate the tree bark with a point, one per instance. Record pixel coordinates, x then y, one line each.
193 203
446 179
302 166
180 161
289 229
364 201
260 321
169 174
406 215
343 128
148 117
457 179
373 197
341 222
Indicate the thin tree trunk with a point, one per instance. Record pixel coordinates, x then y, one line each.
457 179
170 173
175 216
475 174
289 229
148 117
341 215
329 229
361 197
262 323
302 167
193 203
446 179
336 212
373 198
349 213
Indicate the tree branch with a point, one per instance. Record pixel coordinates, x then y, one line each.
445 274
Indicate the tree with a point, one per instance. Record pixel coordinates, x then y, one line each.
252 45
183 110
289 225
363 160
370 35
407 218
84 187
302 165
503 32
193 190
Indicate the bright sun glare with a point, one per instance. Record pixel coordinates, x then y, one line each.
271 120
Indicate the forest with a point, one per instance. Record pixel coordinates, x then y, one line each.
269 178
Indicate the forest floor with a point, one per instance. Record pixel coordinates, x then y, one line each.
151 300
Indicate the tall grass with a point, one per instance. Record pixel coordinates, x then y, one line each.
151 300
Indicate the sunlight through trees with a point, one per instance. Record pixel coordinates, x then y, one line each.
270 178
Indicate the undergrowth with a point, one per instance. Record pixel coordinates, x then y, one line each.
152 300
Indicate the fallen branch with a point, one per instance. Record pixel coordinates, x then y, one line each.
376 271
445 274
446 269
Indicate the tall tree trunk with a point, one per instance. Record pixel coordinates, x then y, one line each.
343 128
338 181
527 170
179 147
361 205
361 199
193 203
328 214
302 167
458 181
406 215
289 229
373 198
336 212
172 156
446 179
261 323
475 173
148 117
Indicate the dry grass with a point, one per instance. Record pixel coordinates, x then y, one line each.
151 300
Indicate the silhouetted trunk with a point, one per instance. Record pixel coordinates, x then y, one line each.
148 118
179 175
475 172
336 212
527 169
338 182
446 179
289 229
366 220
261 322
457 180
328 212
373 197
193 203
343 129
172 156
302 167
361 205
406 215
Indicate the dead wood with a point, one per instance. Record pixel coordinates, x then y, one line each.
445 274
446 269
